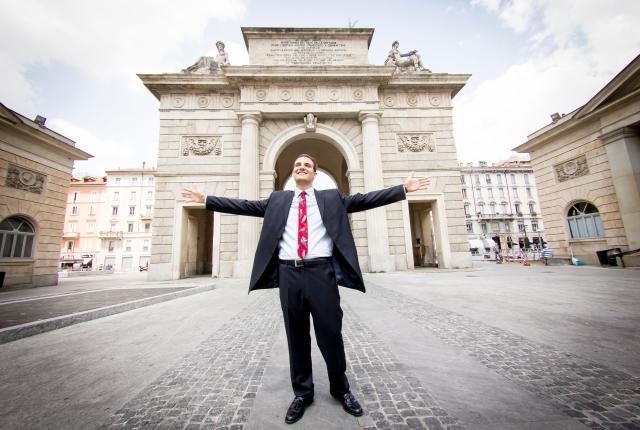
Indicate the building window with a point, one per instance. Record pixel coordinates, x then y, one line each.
466 209
69 245
492 207
132 210
487 178
513 179
113 227
481 206
133 195
464 193
149 195
477 177
495 227
521 227
499 178
74 210
90 227
584 221
147 227
462 179
92 210
134 180
532 209
117 180
490 190
517 206
529 195
526 178
478 192
484 227
110 246
145 246
504 208
501 190
515 192
150 180
73 227
116 196
149 209
130 227
127 246
17 237
507 227
114 210
534 226
75 197
469 227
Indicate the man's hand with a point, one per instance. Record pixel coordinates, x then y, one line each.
414 184
193 196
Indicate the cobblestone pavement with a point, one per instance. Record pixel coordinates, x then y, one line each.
391 397
214 386
598 396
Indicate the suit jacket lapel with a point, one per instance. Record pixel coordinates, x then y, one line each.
320 200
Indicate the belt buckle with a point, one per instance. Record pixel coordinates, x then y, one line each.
295 263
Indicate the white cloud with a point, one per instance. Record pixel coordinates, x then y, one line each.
107 154
106 39
576 48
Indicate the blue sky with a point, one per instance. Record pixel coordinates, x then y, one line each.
75 61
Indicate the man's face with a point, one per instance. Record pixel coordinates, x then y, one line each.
303 170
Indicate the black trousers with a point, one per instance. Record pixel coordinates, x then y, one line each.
312 290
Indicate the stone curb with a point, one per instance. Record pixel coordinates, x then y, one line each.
10 334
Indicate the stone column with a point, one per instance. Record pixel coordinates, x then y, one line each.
623 151
249 189
380 259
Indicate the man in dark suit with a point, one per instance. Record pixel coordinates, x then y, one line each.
306 249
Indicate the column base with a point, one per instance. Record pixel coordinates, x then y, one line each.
381 263
242 268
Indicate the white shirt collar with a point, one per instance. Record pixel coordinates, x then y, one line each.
309 192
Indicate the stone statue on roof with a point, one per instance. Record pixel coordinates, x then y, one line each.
210 64
404 62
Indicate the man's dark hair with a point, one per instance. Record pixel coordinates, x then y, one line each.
315 163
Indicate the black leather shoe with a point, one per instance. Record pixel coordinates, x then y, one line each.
351 405
296 409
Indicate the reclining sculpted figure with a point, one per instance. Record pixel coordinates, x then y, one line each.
404 61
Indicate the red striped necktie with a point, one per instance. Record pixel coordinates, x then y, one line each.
303 233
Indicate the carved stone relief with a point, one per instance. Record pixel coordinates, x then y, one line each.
25 179
285 94
412 99
227 100
178 101
310 95
261 94
358 94
203 101
572 168
201 145
415 142
435 100
389 100
334 94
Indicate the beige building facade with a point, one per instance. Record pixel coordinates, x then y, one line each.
234 131
587 165
35 169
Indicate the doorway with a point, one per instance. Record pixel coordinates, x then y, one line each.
197 242
423 234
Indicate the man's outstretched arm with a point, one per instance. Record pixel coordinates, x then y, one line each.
362 202
226 205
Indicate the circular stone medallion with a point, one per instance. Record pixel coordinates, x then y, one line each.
435 100
412 99
358 94
310 95
27 178
227 101
285 95
178 101
203 101
570 167
261 94
389 100
334 95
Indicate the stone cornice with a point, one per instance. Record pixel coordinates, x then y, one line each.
450 82
250 73
164 83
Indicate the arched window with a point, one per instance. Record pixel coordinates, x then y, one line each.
17 236
584 221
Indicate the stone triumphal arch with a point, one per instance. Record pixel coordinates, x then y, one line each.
235 131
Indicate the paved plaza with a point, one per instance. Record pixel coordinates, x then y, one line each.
494 347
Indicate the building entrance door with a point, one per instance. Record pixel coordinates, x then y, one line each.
423 236
197 242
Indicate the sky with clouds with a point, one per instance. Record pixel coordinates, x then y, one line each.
75 61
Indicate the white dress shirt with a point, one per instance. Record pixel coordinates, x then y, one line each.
319 245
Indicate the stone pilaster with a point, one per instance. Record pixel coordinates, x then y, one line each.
249 188
624 161
380 259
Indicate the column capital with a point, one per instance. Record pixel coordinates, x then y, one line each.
617 134
253 116
364 115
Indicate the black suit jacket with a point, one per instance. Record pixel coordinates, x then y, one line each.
333 207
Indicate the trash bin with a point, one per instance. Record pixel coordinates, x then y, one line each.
607 257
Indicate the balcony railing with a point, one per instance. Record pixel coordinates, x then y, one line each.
114 235
146 216
70 235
